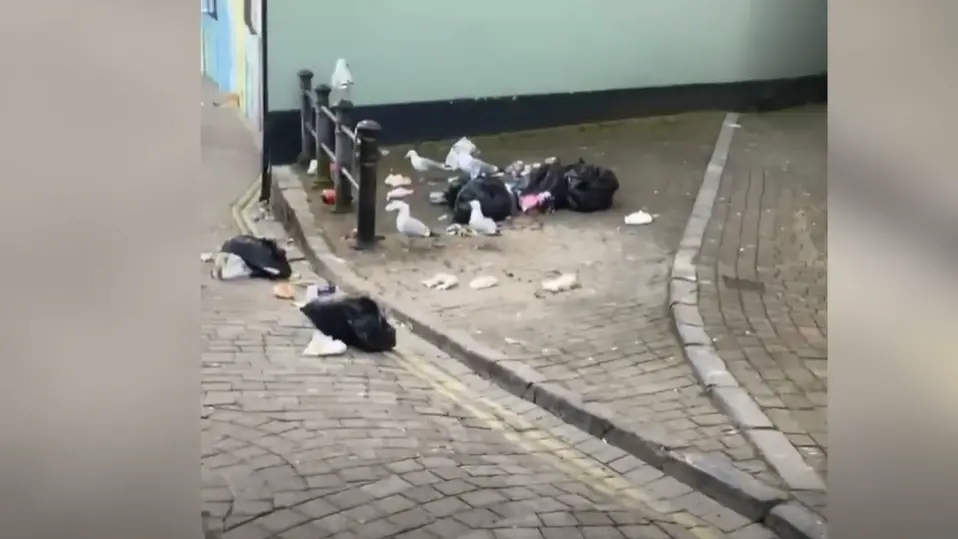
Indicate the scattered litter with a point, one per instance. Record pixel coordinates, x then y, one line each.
638 218
562 283
437 197
312 168
356 321
456 229
328 196
227 266
399 192
397 180
249 256
512 341
284 291
323 345
383 152
442 217
207 257
441 281
316 292
734 126
481 283
538 201
462 146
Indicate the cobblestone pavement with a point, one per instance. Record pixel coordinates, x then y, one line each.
611 341
401 445
762 272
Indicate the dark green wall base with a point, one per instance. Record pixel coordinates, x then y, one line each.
436 120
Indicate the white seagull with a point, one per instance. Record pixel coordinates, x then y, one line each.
342 79
474 166
406 224
479 222
424 164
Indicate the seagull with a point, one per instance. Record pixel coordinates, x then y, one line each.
473 166
406 224
423 164
342 79
479 222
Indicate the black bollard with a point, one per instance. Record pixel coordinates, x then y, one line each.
325 131
305 116
367 135
344 156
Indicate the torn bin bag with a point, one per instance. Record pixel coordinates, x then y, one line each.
550 178
591 188
356 321
265 259
495 200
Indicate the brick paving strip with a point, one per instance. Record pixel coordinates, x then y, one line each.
761 279
716 477
697 344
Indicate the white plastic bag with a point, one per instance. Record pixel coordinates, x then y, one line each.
228 266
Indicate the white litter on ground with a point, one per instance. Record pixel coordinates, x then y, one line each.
397 180
481 283
324 345
227 266
313 168
399 192
441 281
562 283
638 218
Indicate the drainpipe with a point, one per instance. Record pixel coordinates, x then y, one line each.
266 173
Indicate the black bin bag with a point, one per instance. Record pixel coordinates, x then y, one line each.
265 259
452 191
591 188
356 321
494 198
550 178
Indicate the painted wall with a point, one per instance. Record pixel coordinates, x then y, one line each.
424 50
231 56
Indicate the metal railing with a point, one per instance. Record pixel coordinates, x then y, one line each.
352 160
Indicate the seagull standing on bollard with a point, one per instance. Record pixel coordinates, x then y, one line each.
342 79
406 224
479 222
422 165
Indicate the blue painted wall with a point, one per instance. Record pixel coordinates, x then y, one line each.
230 56
217 47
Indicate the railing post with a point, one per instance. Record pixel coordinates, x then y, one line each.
367 136
305 115
344 156
325 131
